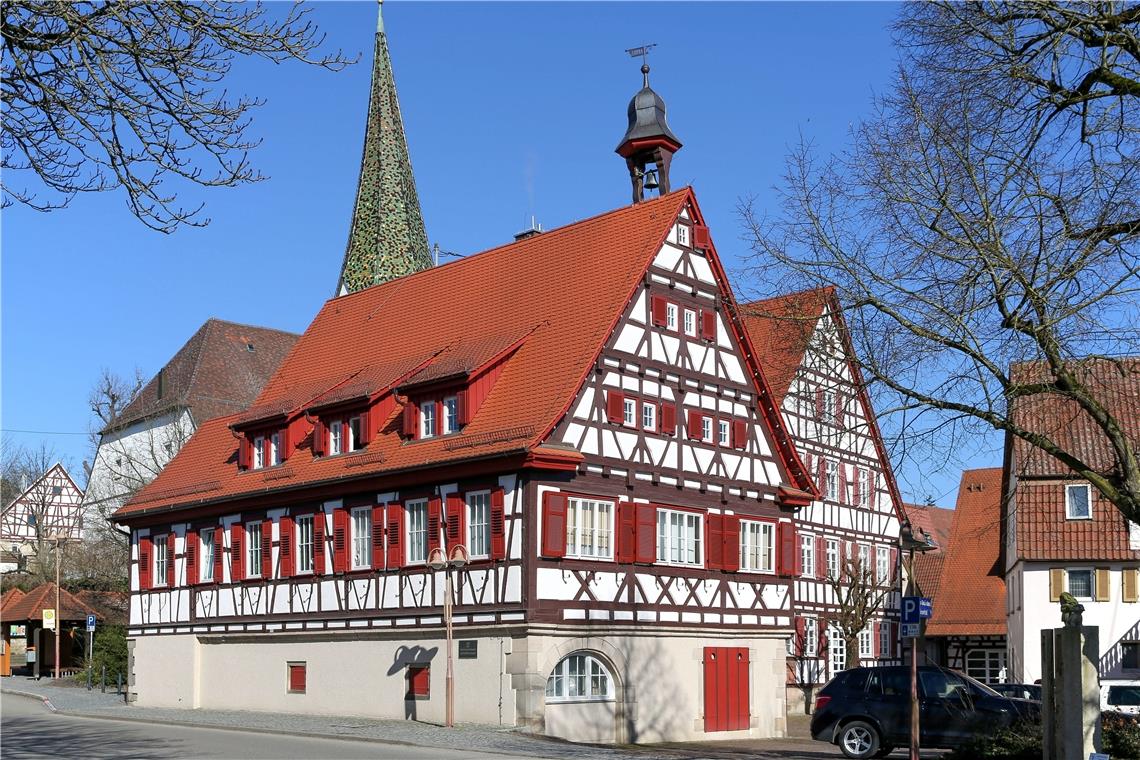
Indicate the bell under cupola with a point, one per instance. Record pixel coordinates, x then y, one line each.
649 144
387 238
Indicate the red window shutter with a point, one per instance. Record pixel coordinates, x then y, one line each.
708 324
245 453
626 542
498 526
701 237
875 640
819 403
218 554
435 521
894 569
456 506
236 572
645 528
668 418
285 546
715 542
191 556
843 483
320 438
319 542
170 559
739 714
821 637
789 557
395 535
801 636
145 553
409 419
366 426
267 548
419 682
820 557
615 406
658 310
463 406
438 407
297 677
284 451
840 403
377 537
695 419
739 434
554 524
822 466
340 540
855 493
732 543
715 697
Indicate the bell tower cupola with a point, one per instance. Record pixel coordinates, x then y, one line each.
649 144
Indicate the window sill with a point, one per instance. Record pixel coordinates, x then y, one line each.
1087 518
576 700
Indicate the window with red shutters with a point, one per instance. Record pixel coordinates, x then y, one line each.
218 554
498 525
236 558
787 551
820 557
715 542
554 524
455 510
731 528
285 549
626 541
708 325
319 542
701 238
267 548
145 554
410 420
645 534
668 418
615 407
378 537
297 677
739 434
800 644
367 426
658 310
695 425
434 523
726 674
191 556
320 438
170 559
245 453
419 682
340 540
395 512
843 484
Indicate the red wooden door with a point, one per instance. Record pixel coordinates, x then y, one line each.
726 689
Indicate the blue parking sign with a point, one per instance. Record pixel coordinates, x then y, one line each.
916 608
90 623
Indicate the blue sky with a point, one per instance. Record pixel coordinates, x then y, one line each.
511 109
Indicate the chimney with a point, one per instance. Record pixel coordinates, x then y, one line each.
532 231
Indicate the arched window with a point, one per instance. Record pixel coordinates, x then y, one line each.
579 677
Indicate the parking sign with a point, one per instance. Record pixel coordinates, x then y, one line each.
90 623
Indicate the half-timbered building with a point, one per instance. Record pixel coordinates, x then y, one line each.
853 528
49 506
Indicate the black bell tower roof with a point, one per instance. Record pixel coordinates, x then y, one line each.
647 122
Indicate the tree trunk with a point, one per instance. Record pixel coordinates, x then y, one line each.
852 645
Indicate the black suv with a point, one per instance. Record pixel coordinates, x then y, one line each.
866 711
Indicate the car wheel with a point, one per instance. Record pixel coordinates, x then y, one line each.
884 751
859 740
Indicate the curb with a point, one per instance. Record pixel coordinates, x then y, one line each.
32 695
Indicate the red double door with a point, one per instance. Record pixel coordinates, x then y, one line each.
726 689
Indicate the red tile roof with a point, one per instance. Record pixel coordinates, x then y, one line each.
216 372
42 597
928 573
781 328
971 593
557 296
10 597
935 521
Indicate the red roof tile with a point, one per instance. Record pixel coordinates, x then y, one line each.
559 293
971 592
928 573
10 597
42 597
781 328
935 521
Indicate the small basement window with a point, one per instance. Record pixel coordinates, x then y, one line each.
419 682
297 677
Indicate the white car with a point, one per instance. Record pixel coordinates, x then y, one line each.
1120 696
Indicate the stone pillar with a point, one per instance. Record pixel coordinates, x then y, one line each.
1071 703
529 684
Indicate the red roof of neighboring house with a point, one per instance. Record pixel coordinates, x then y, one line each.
971 595
781 329
928 572
933 520
10 597
42 597
1043 532
557 295
220 370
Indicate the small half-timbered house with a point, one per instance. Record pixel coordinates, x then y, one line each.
47 507
853 528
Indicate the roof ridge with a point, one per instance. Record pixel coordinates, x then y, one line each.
248 326
824 290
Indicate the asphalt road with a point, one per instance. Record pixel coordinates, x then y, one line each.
30 730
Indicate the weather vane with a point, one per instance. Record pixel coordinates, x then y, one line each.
643 51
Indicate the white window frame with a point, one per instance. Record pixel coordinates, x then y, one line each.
1072 488
589 674
305 538
690 322
478 507
832 549
416 548
723 433
680 536
427 419
274 449
206 552
336 437
831 479
354 428
885 643
865 565
590 528
161 559
682 234
828 417
629 412
671 315
807 555
253 549
990 670
757 546
361 557
450 415
836 652
864 485
649 416
706 428
882 564
866 644
1092 582
811 637
259 452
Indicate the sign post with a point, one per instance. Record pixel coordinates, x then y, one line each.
915 609
49 619
90 646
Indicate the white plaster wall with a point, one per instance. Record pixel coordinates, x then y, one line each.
166 671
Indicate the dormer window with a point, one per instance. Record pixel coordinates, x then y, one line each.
259 452
451 415
355 434
336 437
274 449
427 419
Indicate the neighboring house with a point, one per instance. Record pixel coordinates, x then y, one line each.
219 371
50 506
808 358
1062 535
928 520
967 630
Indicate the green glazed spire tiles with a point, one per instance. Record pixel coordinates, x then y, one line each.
387 239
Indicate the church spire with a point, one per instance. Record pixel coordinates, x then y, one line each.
387 239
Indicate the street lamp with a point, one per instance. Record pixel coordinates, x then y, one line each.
911 544
437 560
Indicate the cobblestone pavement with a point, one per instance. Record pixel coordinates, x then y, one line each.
472 738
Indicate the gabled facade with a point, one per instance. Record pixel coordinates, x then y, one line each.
582 412
804 346
1061 535
49 506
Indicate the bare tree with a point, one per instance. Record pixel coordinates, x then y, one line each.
987 214
33 511
860 598
107 95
